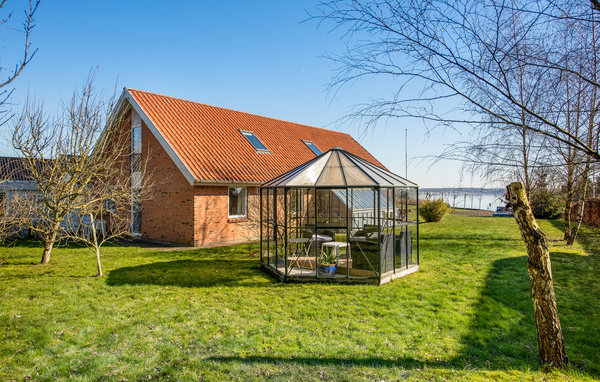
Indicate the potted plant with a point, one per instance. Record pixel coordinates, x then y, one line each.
327 263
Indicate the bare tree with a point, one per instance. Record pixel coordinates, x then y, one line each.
76 161
493 60
460 51
10 73
103 208
583 105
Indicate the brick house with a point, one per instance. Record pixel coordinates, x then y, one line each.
207 163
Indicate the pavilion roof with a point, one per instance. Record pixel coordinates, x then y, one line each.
339 168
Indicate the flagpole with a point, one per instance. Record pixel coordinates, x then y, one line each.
406 153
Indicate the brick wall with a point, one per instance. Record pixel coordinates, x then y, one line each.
169 215
180 213
185 214
591 212
212 224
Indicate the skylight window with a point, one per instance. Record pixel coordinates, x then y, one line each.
313 147
254 141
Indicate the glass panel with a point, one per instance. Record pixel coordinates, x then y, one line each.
136 162
254 141
136 212
279 229
271 228
364 235
405 227
136 139
110 205
237 201
309 176
387 230
354 175
313 147
332 173
411 212
265 226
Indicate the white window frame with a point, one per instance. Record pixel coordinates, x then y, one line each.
245 203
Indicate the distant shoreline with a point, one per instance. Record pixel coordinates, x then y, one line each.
469 190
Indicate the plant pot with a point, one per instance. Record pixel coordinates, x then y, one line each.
327 270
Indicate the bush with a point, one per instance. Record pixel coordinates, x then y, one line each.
546 204
433 210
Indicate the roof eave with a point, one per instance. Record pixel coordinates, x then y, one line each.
206 182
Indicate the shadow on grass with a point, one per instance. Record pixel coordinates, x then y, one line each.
588 237
191 273
503 334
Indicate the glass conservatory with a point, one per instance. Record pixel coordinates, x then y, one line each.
339 218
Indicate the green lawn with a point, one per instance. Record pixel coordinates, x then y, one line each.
211 314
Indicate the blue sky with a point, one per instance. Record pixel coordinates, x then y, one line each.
258 57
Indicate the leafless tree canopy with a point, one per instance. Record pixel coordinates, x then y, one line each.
495 60
80 163
8 73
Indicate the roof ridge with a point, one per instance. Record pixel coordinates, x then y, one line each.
237 111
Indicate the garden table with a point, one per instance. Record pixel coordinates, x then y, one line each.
335 245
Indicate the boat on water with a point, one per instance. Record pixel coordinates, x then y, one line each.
502 212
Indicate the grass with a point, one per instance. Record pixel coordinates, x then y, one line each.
210 314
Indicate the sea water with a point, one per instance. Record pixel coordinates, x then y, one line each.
485 199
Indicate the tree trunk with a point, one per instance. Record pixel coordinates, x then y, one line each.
550 340
575 230
98 262
48 244
568 208
96 246
567 220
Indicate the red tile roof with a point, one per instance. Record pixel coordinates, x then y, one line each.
208 141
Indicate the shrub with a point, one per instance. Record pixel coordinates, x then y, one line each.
433 210
545 204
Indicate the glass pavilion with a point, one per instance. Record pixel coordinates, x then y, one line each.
339 218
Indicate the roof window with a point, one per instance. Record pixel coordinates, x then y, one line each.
313 147
254 141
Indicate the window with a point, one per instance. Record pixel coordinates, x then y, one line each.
313 147
237 202
254 141
136 148
110 205
136 177
136 213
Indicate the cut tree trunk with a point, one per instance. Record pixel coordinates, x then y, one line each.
551 346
